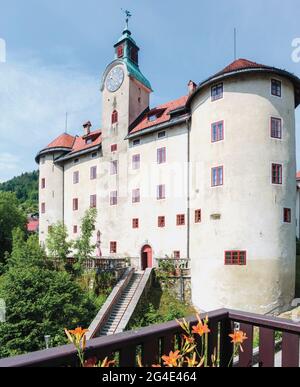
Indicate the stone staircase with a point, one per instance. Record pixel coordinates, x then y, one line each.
118 311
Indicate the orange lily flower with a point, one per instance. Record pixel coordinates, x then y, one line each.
77 336
171 360
188 339
238 337
200 329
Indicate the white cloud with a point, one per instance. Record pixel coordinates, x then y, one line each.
33 102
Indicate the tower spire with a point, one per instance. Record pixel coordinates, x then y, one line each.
128 15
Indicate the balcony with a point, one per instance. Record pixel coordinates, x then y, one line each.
154 341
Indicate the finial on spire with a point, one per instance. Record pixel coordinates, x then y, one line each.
128 16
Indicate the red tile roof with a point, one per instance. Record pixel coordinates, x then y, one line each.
162 112
76 144
63 141
241 64
298 176
81 142
33 226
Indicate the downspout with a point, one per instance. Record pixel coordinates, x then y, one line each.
63 195
188 123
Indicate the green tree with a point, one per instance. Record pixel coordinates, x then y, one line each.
39 300
83 246
10 217
26 189
58 245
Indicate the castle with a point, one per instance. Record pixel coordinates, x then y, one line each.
209 176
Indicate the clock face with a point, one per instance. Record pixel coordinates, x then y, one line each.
115 79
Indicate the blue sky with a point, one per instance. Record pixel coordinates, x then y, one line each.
58 49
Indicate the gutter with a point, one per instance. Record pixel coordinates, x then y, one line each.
77 154
50 150
155 128
293 78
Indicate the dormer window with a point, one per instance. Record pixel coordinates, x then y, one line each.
155 114
120 51
88 141
114 117
152 118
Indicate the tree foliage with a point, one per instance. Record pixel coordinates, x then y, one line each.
83 246
58 245
39 300
11 216
26 189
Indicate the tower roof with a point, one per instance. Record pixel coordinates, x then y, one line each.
129 56
65 140
246 66
241 64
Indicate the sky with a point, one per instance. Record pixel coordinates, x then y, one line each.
57 50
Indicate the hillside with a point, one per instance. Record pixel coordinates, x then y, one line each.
26 190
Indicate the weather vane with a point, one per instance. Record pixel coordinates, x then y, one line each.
128 16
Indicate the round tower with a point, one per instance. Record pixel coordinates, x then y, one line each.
243 167
51 183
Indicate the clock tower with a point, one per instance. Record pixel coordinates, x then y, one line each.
125 91
125 96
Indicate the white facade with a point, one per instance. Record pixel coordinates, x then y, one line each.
244 214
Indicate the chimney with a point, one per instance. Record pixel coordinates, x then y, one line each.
191 87
87 128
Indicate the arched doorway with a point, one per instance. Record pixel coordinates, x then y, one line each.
146 259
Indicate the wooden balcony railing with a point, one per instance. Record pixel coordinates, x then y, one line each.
154 341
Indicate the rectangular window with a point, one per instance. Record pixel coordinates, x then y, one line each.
43 208
43 160
75 229
135 223
276 173
93 173
287 215
217 131
136 161
180 220
120 51
76 161
161 134
276 127
136 142
43 183
161 192
114 198
161 221
114 148
217 176
235 258
198 216
114 167
177 254
93 201
113 247
75 204
136 198
276 87
217 92
76 177
161 155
